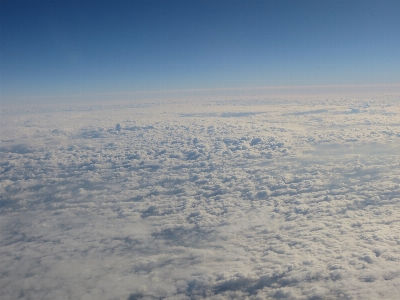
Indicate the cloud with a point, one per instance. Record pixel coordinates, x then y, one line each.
272 199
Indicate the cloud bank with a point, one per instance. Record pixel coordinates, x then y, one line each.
261 199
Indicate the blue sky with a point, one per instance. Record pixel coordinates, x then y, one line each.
94 47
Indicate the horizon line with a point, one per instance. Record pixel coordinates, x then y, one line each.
281 87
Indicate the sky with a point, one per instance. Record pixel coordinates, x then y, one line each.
65 48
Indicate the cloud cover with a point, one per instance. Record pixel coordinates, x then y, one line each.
220 200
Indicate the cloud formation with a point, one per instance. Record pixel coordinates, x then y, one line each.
219 200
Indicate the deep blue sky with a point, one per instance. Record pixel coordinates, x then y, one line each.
68 47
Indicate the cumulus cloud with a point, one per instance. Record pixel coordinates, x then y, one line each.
222 200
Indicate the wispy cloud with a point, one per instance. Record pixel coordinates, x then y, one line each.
246 92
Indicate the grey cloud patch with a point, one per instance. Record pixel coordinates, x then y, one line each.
309 112
18 149
223 114
190 237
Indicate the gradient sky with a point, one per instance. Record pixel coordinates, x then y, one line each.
94 47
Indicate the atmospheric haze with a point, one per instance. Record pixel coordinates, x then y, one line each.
240 199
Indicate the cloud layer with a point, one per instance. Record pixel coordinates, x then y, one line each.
218 200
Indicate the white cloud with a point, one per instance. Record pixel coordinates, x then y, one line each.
257 199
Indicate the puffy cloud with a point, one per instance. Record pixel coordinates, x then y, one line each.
263 199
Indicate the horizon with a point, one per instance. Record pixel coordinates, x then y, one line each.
210 94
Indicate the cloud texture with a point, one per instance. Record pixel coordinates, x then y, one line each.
262 199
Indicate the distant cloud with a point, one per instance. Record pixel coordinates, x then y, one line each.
146 97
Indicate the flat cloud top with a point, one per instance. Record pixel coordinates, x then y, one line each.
219 199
